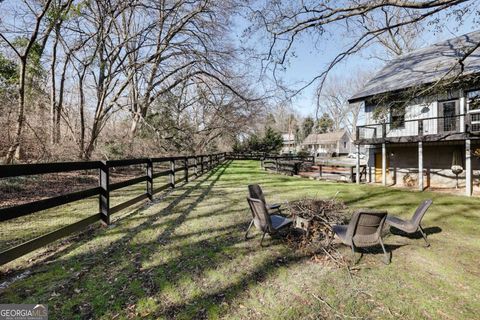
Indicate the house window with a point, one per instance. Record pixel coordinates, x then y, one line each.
448 116
345 144
397 117
473 100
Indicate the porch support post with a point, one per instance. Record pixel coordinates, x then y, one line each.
420 165
468 168
369 162
463 110
384 164
358 165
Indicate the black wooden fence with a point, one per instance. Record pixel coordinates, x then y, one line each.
286 164
200 165
247 156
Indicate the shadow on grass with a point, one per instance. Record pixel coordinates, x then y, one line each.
72 243
166 263
112 279
415 235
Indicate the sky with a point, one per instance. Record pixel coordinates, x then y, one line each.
311 60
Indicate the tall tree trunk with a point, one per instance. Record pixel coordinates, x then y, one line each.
135 110
15 149
93 139
53 98
61 91
82 115
135 125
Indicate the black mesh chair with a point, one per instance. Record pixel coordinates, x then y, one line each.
364 230
414 224
265 222
256 192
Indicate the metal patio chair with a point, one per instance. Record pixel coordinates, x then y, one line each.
256 192
265 222
364 230
414 224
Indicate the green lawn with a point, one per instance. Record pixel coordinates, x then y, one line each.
184 257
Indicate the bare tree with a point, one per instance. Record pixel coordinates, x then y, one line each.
187 39
396 40
284 23
31 32
198 112
108 62
94 40
333 99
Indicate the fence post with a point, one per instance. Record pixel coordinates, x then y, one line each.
201 164
150 179
185 163
276 164
104 198
320 167
172 173
209 162
195 166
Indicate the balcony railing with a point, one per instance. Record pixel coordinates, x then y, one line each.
421 127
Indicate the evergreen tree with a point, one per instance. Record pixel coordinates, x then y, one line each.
272 142
307 126
324 124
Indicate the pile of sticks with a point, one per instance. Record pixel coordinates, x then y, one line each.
314 219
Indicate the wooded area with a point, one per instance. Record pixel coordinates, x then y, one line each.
98 79
76 75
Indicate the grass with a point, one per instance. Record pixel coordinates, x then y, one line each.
184 257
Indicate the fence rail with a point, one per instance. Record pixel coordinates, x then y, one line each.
328 171
201 164
286 164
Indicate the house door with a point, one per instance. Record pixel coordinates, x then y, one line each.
447 112
378 167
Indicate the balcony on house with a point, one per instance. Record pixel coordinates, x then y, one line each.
451 127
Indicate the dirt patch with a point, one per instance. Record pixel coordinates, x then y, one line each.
25 189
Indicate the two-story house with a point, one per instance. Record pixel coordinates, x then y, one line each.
289 145
422 112
329 143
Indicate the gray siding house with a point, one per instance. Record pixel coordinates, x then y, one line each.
338 143
422 112
289 145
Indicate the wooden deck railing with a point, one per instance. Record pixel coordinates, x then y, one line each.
200 165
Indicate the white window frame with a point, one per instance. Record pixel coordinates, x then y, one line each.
476 111
468 101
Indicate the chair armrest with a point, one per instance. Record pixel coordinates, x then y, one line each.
274 206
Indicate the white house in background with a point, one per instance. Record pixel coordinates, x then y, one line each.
328 144
428 134
289 145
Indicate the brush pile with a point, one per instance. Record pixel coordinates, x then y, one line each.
313 221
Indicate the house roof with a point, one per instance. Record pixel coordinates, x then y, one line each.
324 138
424 66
